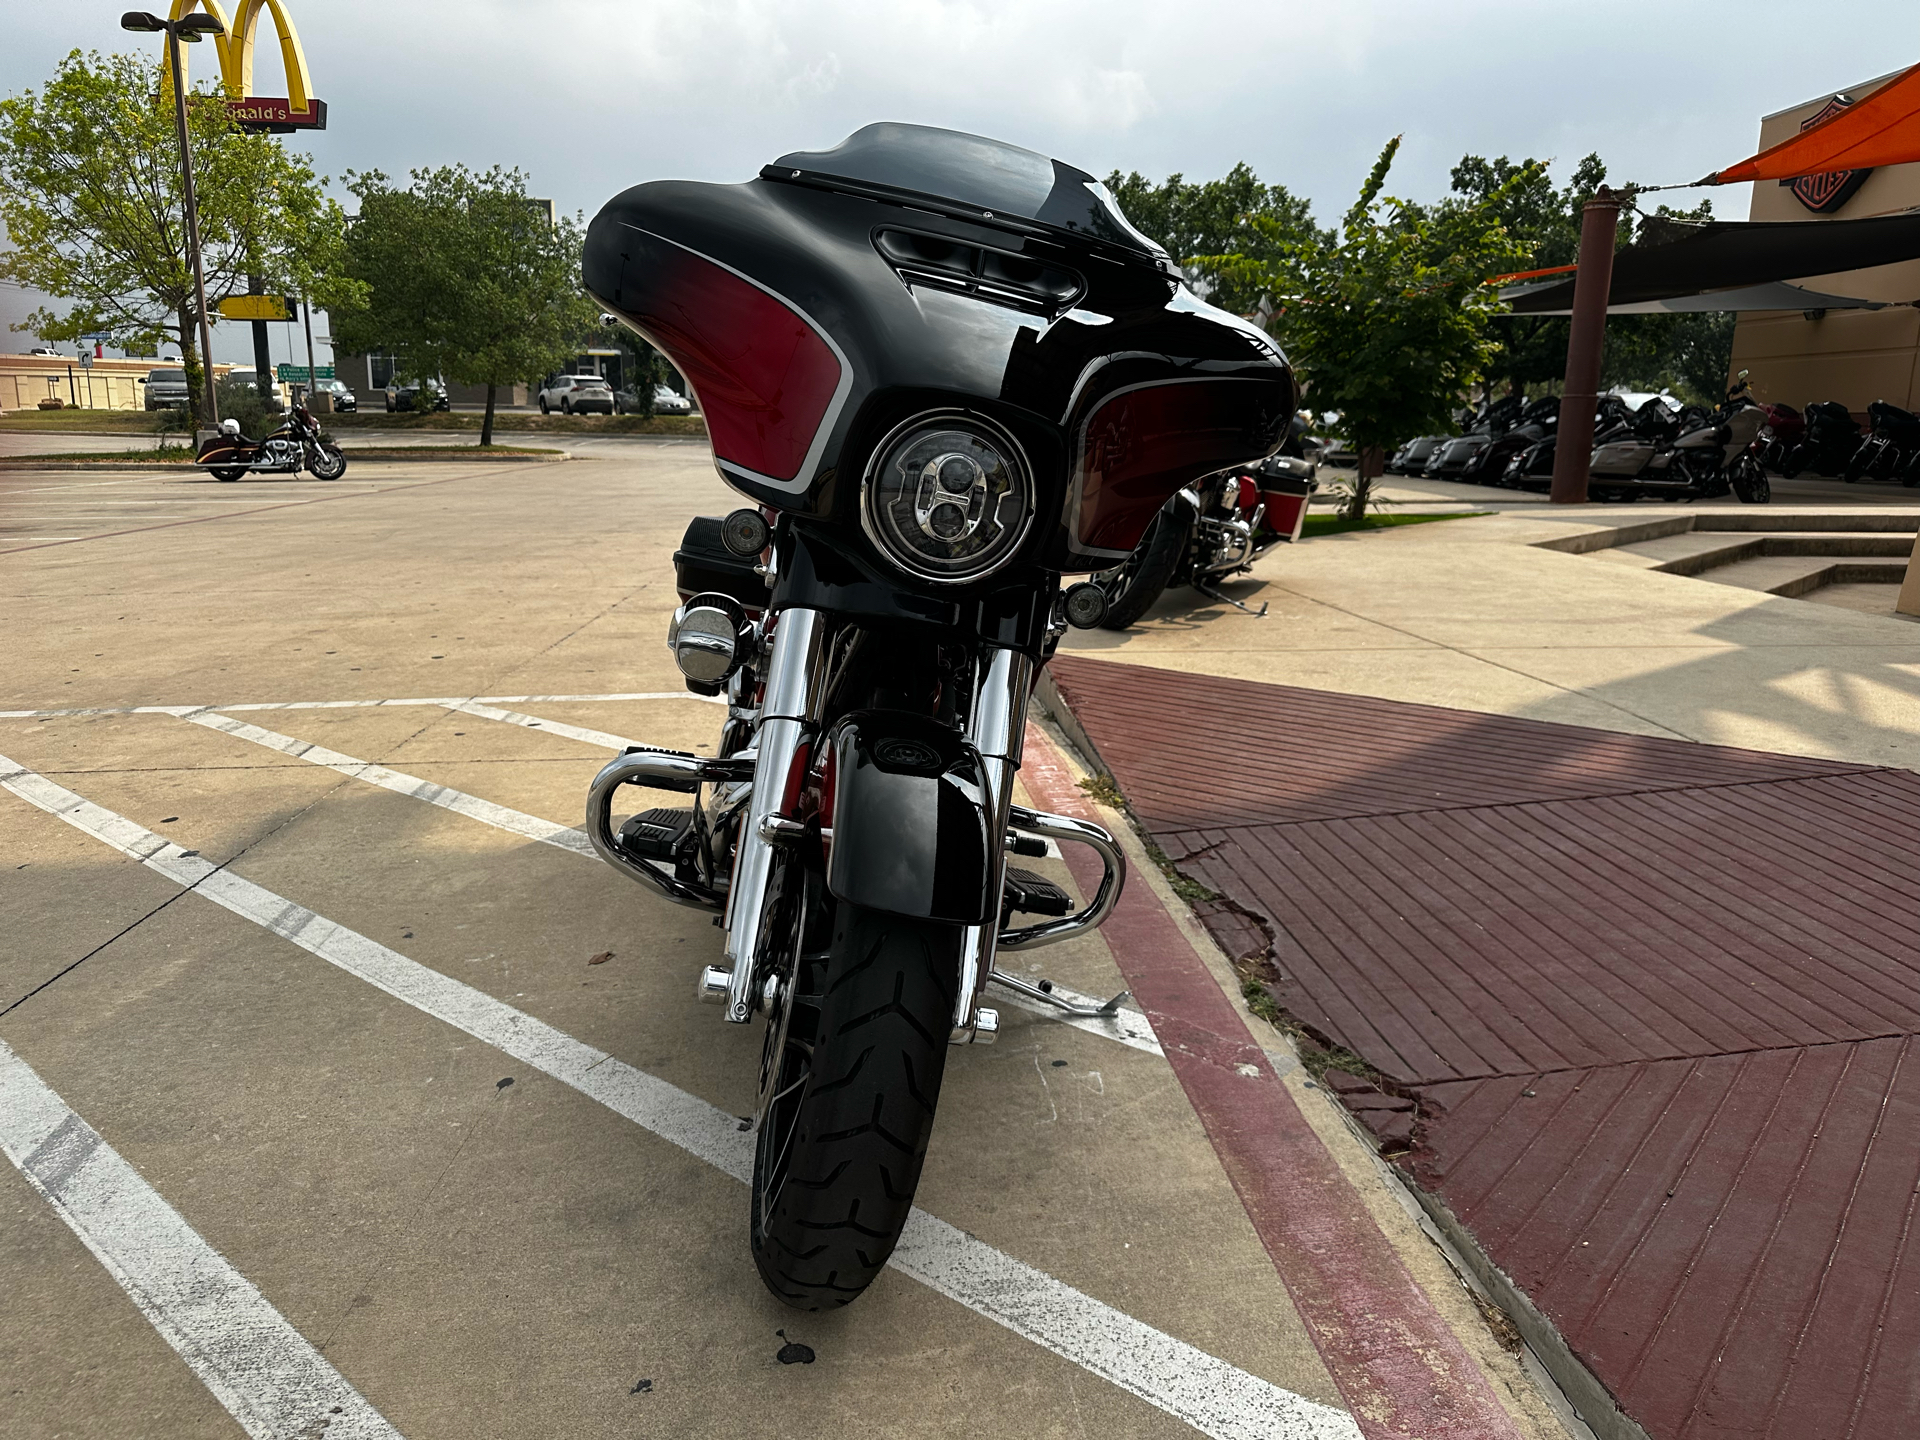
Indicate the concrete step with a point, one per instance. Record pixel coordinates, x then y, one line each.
1695 553
1795 575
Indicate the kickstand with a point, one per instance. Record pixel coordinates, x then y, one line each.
1043 992
1213 594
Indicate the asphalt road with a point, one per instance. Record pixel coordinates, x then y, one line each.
346 1094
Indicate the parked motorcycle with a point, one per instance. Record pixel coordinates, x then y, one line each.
1891 450
1532 467
946 372
295 443
1412 457
1784 430
1689 454
1454 459
1210 532
1832 439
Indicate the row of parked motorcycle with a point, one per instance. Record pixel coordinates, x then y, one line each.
1662 448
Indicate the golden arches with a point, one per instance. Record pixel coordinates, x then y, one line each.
235 47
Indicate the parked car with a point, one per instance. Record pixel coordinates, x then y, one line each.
345 402
400 397
166 389
576 395
670 402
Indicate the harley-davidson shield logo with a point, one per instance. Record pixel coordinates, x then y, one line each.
1824 194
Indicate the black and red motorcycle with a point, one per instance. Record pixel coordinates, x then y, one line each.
296 444
946 374
1210 532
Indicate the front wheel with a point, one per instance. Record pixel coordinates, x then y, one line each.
326 462
840 1147
1750 482
228 473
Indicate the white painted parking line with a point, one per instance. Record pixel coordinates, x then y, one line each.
445 701
256 1364
1215 1398
1129 1027
499 816
532 722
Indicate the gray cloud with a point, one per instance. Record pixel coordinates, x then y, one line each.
589 96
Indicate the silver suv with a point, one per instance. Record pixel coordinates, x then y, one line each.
166 389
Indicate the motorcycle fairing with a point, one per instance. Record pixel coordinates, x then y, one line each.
771 380
910 819
812 313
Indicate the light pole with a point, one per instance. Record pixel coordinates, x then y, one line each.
188 28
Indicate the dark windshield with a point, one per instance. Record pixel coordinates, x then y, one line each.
166 377
989 175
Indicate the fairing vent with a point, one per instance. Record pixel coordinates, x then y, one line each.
991 275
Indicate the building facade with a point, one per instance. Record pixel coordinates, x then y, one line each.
26 380
1853 356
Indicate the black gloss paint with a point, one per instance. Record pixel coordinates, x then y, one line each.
910 833
912 269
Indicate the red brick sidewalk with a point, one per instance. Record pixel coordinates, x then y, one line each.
1643 1014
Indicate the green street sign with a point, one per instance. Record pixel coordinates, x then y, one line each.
297 374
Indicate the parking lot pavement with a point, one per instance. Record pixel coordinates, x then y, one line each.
347 1094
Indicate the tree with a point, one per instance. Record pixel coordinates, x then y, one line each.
90 195
1690 353
460 275
1389 320
1196 221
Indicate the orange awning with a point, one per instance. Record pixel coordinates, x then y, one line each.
1883 129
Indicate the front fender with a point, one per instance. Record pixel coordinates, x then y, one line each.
911 833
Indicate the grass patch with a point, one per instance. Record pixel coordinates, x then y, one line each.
1335 525
96 422
517 422
160 422
1103 791
164 455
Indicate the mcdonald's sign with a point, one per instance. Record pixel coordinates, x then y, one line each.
298 109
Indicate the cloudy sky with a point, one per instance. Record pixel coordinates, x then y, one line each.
589 96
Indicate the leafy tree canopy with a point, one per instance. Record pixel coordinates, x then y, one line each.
91 196
1198 220
460 275
1689 353
1388 320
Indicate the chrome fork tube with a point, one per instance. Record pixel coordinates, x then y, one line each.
792 686
997 728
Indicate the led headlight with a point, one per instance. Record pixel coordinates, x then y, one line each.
947 497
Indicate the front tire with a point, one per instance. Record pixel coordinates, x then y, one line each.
327 462
1134 584
839 1151
1750 482
228 473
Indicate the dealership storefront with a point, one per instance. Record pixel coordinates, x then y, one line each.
1853 356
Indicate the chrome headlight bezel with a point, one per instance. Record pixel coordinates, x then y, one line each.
882 529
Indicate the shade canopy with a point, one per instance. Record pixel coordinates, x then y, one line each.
1736 259
1775 296
1883 129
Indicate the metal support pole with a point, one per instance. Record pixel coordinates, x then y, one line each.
193 224
306 314
1573 447
262 351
